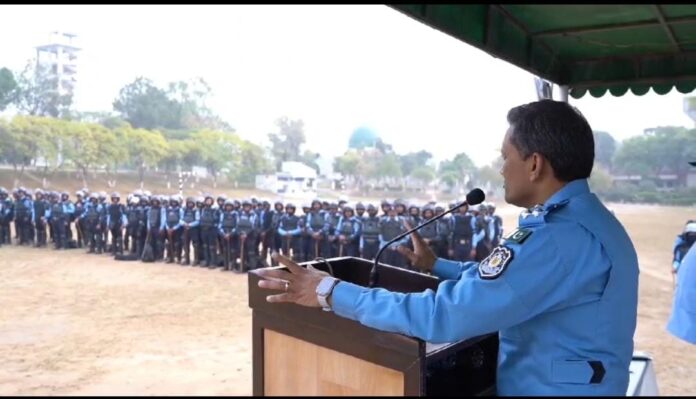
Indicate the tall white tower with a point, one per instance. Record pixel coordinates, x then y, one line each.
59 59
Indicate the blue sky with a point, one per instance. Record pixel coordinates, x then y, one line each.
335 67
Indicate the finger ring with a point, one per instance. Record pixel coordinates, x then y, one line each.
287 285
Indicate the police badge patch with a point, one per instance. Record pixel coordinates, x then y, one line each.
494 265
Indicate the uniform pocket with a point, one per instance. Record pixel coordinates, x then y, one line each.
576 371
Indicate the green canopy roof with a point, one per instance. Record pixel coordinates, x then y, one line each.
591 48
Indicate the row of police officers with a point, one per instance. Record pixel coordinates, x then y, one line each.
238 235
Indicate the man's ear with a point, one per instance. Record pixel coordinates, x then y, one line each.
537 164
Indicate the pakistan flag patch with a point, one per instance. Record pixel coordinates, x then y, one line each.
518 236
494 265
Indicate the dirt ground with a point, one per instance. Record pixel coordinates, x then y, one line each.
79 324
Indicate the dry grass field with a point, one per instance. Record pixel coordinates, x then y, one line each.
79 324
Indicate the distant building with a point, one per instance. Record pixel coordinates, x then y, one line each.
294 178
59 59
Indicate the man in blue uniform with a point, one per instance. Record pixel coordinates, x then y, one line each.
38 217
348 230
682 322
173 221
190 235
116 222
6 216
682 244
369 239
561 291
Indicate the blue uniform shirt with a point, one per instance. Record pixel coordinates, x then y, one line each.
564 302
682 323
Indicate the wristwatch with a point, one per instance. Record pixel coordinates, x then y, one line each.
324 289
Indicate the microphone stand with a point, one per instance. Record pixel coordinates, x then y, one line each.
374 277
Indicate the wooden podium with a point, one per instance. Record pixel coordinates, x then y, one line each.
307 351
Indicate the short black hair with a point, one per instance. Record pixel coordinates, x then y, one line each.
557 131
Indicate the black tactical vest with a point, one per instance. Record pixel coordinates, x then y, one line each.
391 228
132 213
229 220
57 210
347 227
289 222
172 216
317 220
115 213
92 213
245 223
189 215
444 226
21 208
370 228
40 208
333 222
208 217
154 217
429 231
462 226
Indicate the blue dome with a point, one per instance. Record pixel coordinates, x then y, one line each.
363 137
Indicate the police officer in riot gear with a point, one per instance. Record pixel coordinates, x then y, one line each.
116 221
246 230
430 233
305 252
226 228
391 226
348 231
102 220
275 223
155 226
58 215
190 232
39 218
360 211
495 225
209 221
317 227
93 226
22 213
444 228
173 220
6 216
77 218
369 238
332 218
462 235
290 231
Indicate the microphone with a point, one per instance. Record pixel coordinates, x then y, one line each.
474 197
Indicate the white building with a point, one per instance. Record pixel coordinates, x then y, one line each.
294 178
59 58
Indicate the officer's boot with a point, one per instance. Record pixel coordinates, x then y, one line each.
187 249
196 255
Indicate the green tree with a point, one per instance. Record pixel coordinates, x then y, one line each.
605 147
600 181
146 106
454 172
287 142
424 173
660 150
253 162
413 161
219 151
8 88
145 148
37 93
